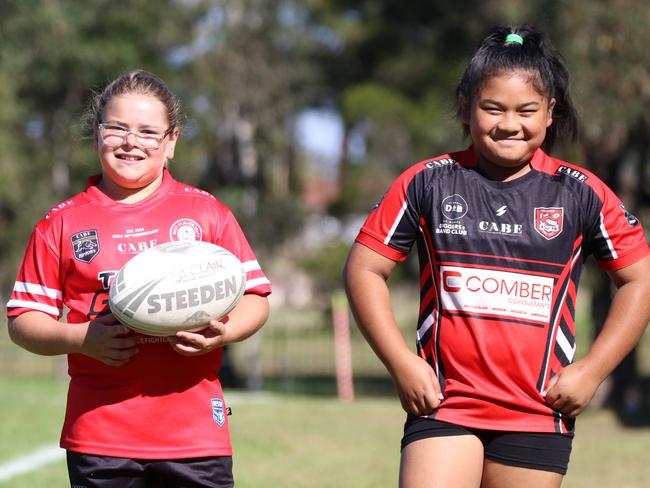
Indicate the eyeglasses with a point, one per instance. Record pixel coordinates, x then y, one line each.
114 136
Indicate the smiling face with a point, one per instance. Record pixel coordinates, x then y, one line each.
130 171
507 121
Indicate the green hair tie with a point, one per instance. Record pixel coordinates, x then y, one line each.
514 38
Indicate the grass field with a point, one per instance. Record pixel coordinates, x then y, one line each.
284 441
300 441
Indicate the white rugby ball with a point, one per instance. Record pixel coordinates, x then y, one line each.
176 286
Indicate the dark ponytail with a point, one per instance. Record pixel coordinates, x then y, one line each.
528 50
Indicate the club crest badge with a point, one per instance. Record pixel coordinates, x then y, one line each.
549 221
185 230
218 412
85 245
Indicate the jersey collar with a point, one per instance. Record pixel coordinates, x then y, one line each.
469 158
95 194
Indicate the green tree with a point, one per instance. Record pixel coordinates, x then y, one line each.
52 55
250 78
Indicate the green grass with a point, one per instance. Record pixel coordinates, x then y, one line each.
31 412
606 454
316 442
284 441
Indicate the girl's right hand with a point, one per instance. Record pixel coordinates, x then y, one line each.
109 341
417 385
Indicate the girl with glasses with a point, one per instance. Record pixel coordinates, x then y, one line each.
142 411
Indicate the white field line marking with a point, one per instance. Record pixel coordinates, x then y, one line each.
31 462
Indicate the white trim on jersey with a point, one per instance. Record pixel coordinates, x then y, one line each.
256 282
426 325
36 289
434 323
556 321
563 342
251 265
41 307
396 223
603 231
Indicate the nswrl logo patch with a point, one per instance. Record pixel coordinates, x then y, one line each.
218 412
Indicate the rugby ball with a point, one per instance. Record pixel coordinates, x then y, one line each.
176 286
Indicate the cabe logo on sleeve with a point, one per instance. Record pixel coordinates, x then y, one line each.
496 293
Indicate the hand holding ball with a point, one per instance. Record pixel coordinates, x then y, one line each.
177 286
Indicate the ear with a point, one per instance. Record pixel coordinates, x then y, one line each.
171 143
464 105
549 114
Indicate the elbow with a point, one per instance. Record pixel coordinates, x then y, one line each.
14 331
347 275
265 310
344 272
259 307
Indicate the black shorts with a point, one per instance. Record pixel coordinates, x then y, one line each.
86 471
533 450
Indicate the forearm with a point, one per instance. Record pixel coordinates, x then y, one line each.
369 299
366 273
624 326
246 318
41 334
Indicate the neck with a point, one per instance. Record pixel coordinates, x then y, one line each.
128 195
502 173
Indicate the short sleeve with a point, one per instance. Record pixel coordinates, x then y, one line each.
614 236
37 286
392 226
232 238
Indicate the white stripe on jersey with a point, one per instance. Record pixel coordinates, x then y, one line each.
563 342
426 325
251 265
256 282
36 289
603 230
396 223
556 319
41 307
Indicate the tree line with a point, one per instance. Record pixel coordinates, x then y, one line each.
246 70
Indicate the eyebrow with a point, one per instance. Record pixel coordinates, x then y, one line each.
124 124
496 102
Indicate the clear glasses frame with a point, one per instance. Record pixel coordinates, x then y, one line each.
118 136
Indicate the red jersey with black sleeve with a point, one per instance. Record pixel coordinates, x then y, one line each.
499 268
159 405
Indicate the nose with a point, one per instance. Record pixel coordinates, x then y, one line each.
508 123
130 139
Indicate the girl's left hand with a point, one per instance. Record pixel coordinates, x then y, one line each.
202 341
571 390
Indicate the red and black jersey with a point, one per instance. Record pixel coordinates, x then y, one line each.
499 267
160 405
